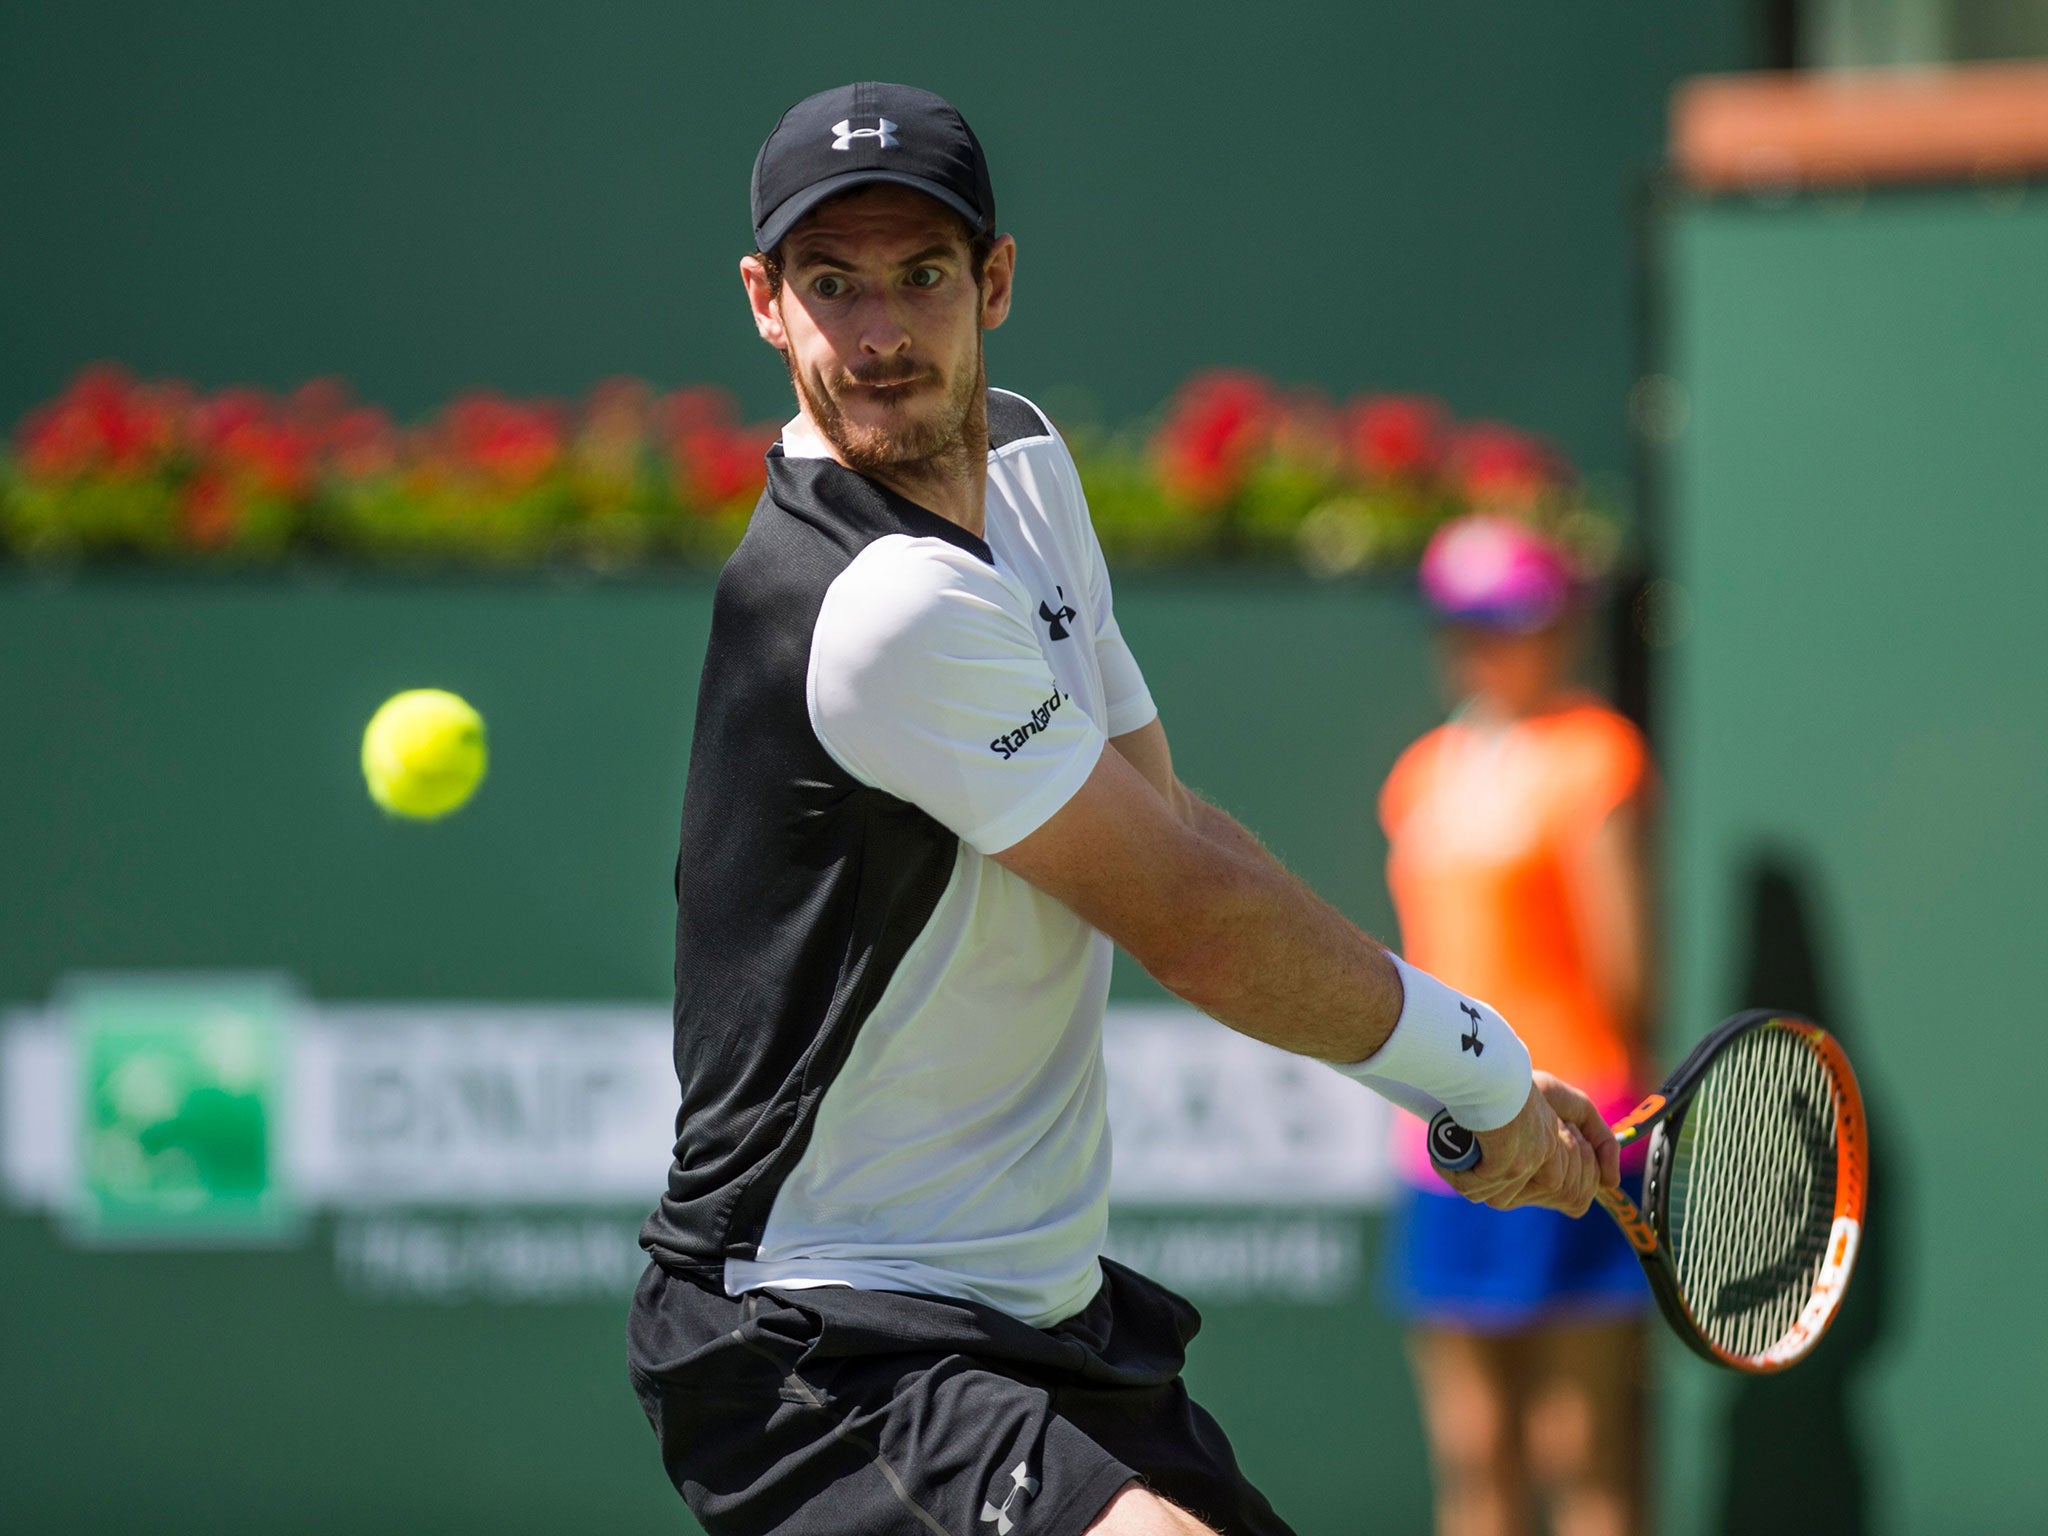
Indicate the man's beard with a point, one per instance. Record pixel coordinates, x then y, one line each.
913 449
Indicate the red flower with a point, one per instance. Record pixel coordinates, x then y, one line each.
241 435
715 460
104 421
1501 468
1396 437
515 443
1216 430
317 403
360 442
343 437
213 506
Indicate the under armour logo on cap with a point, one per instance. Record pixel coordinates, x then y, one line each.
832 143
884 136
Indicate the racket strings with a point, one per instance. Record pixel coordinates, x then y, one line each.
1753 1189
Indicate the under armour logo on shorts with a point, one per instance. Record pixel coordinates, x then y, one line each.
885 135
1471 1042
1021 1481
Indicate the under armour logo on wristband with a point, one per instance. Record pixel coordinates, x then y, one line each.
1021 1481
1471 1042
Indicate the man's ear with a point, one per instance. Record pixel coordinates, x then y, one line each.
996 280
761 297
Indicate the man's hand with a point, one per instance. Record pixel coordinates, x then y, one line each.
1555 1153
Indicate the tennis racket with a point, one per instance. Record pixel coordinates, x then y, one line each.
1753 1192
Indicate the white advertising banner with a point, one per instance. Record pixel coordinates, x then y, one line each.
190 1111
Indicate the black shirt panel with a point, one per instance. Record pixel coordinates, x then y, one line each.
850 511
798 889
1012 418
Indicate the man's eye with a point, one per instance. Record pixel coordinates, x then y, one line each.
926 277
829 287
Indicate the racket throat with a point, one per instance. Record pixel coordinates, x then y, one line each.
1640 1234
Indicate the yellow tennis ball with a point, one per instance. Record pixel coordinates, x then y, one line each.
424 753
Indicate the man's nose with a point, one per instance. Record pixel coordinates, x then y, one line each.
882 329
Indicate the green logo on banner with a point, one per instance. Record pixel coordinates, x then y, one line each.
182 1085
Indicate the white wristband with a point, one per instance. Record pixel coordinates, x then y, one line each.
1448 1050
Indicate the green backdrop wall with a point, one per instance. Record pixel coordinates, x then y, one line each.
181 793
532 196
1858 748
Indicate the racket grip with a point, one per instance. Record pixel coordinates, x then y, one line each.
1452 1148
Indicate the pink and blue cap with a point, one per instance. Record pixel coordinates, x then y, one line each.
1498 573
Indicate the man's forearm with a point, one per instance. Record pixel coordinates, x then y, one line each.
1225 830
1426 1043
1287 967
1196 900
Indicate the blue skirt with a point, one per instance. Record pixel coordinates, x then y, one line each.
1455 1264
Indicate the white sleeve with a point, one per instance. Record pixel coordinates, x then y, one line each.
1128 702
926 681
1123 684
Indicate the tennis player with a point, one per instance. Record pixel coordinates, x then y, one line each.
1515 861
927 790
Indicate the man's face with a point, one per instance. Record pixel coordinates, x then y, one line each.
880 321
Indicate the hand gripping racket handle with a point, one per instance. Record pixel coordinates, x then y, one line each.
1452 1148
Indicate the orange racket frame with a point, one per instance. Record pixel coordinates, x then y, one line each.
1648 1227
1648 1230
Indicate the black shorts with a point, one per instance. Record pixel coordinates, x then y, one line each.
834 1412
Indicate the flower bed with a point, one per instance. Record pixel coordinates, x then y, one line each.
117 468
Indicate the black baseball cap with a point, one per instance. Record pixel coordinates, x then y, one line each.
856 134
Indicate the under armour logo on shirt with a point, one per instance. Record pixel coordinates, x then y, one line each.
1058 621
1471 1042
1021 1481
884 135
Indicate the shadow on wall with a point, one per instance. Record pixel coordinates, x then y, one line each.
1795 1460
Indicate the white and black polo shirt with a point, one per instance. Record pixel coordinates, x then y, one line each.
889 1046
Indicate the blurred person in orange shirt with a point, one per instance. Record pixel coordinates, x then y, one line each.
1517 872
